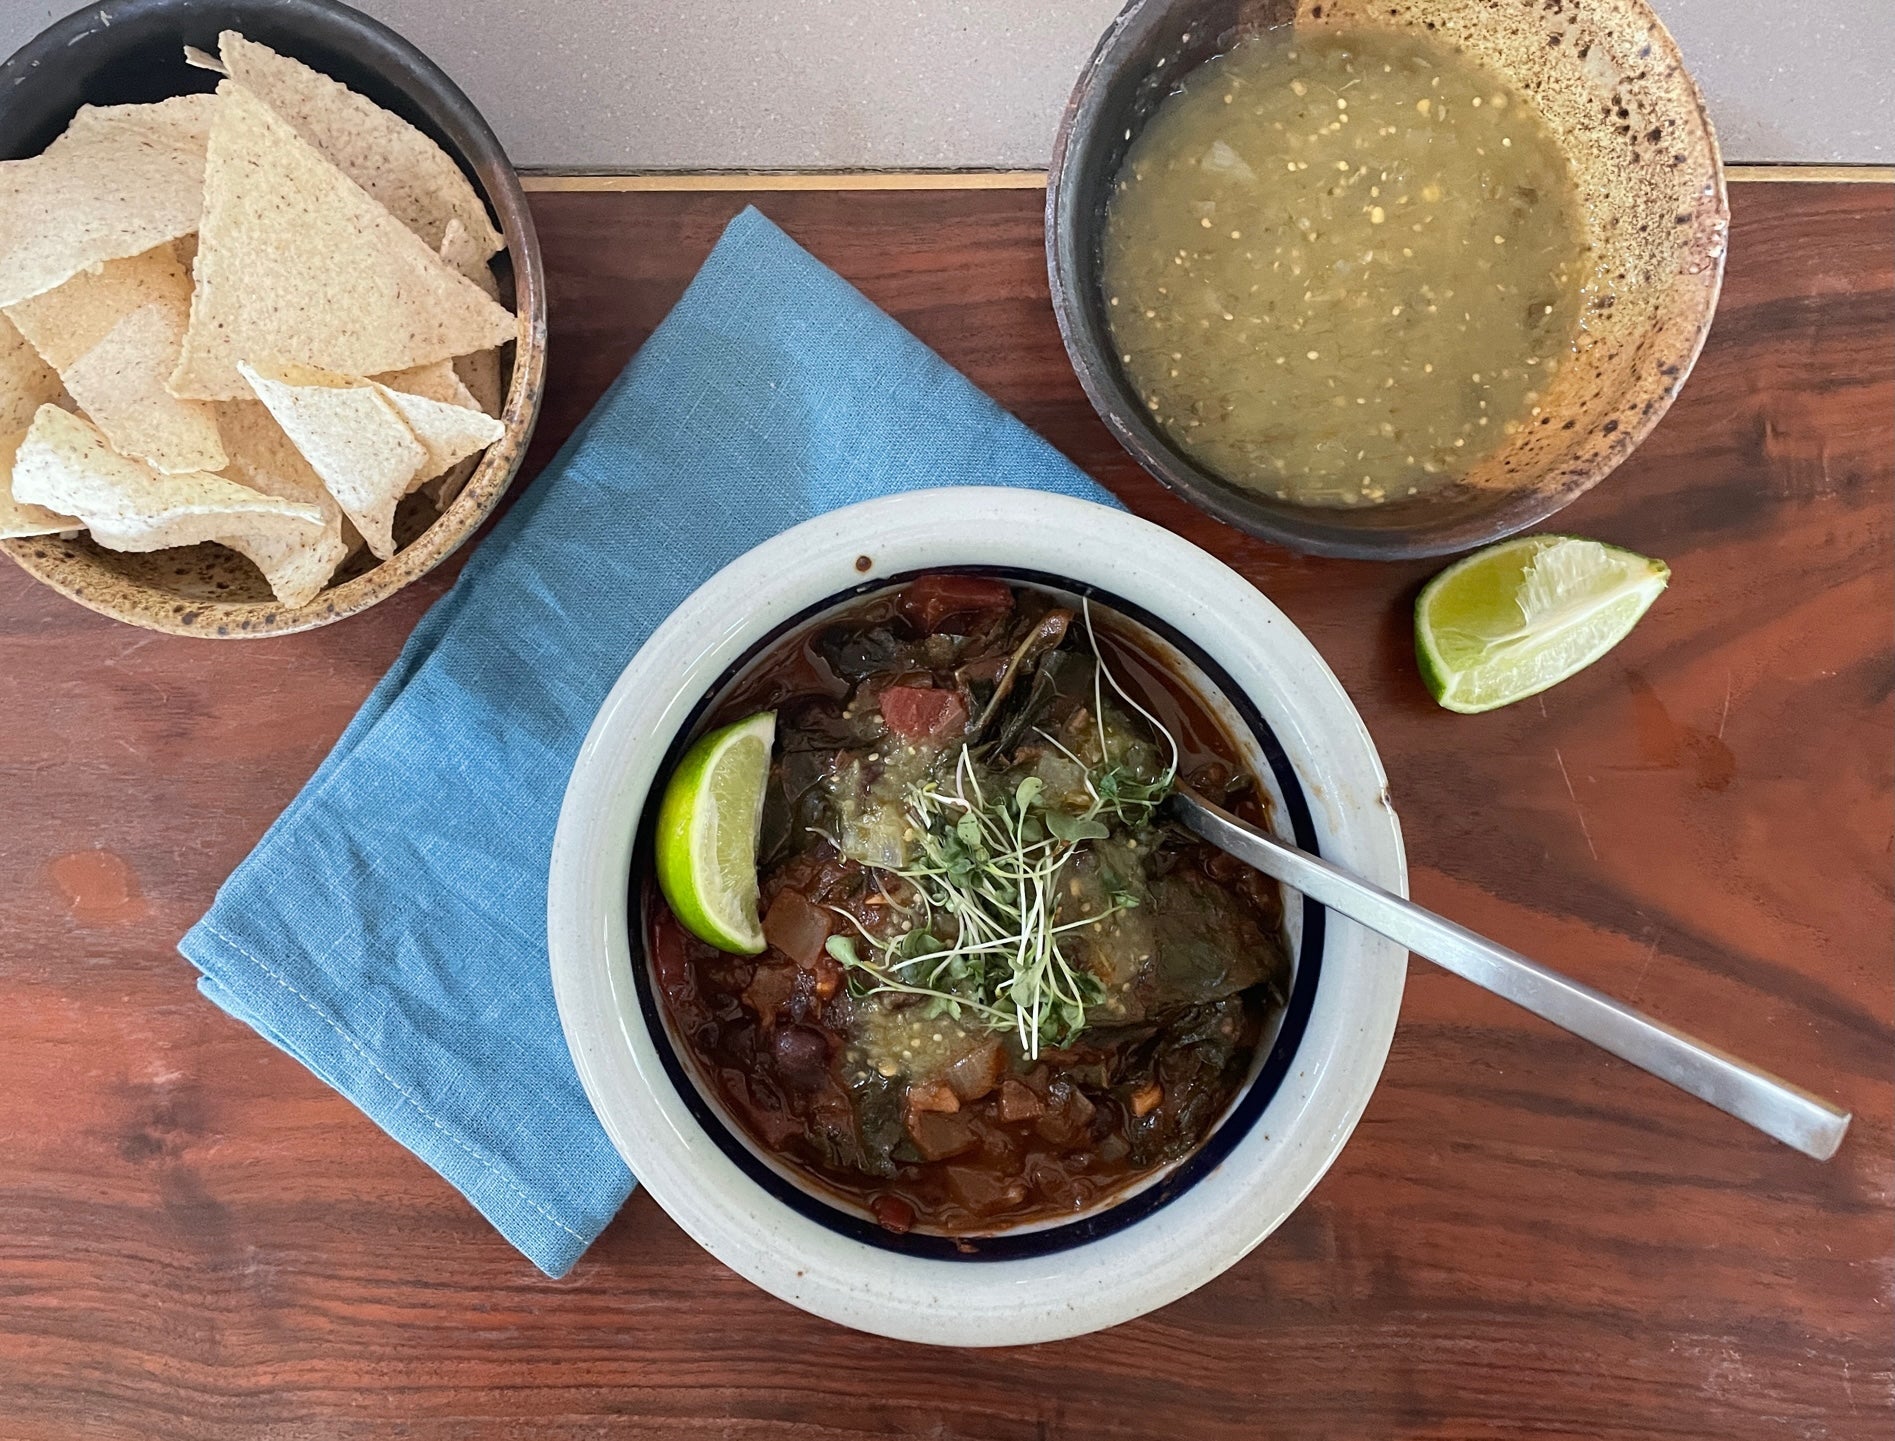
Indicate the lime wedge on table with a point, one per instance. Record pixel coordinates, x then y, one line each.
708 825
1511 620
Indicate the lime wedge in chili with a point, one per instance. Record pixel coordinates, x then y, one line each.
708 825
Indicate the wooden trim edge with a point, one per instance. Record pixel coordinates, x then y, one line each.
1813 174
662 180
544 181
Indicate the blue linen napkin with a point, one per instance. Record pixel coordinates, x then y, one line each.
389 931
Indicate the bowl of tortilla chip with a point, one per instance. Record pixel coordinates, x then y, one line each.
272 316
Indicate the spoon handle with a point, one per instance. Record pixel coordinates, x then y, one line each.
1774 1106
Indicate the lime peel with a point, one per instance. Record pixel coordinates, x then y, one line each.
709 823
1509 621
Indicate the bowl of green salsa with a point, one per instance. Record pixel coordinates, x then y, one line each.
1384 282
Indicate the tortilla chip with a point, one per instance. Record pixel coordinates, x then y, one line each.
448 433
296 264
408 173
65 322
119 384
263 458
114 334
65 465
438 381
351 436
203 60
463 253
481 374
122 179
26 381
448 485
441 381
16 517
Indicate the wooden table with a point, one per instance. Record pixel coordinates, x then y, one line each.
1525 1237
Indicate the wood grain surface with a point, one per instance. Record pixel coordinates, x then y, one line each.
1524 1238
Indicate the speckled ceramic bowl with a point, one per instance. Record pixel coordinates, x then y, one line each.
1139 1248
1613 91
129 51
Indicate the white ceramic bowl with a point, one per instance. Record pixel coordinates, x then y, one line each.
1148 1246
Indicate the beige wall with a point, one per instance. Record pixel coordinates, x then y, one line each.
662 84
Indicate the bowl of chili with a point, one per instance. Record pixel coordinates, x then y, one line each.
880 1118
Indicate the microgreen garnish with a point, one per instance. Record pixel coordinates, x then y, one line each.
978 933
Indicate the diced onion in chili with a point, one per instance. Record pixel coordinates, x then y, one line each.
797 927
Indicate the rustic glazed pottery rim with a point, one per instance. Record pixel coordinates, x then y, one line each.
76 568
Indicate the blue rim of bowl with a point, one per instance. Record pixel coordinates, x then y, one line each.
1110 1216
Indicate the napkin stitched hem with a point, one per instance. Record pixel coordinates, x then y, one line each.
476 1152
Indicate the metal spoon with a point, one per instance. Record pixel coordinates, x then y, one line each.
1774 1106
